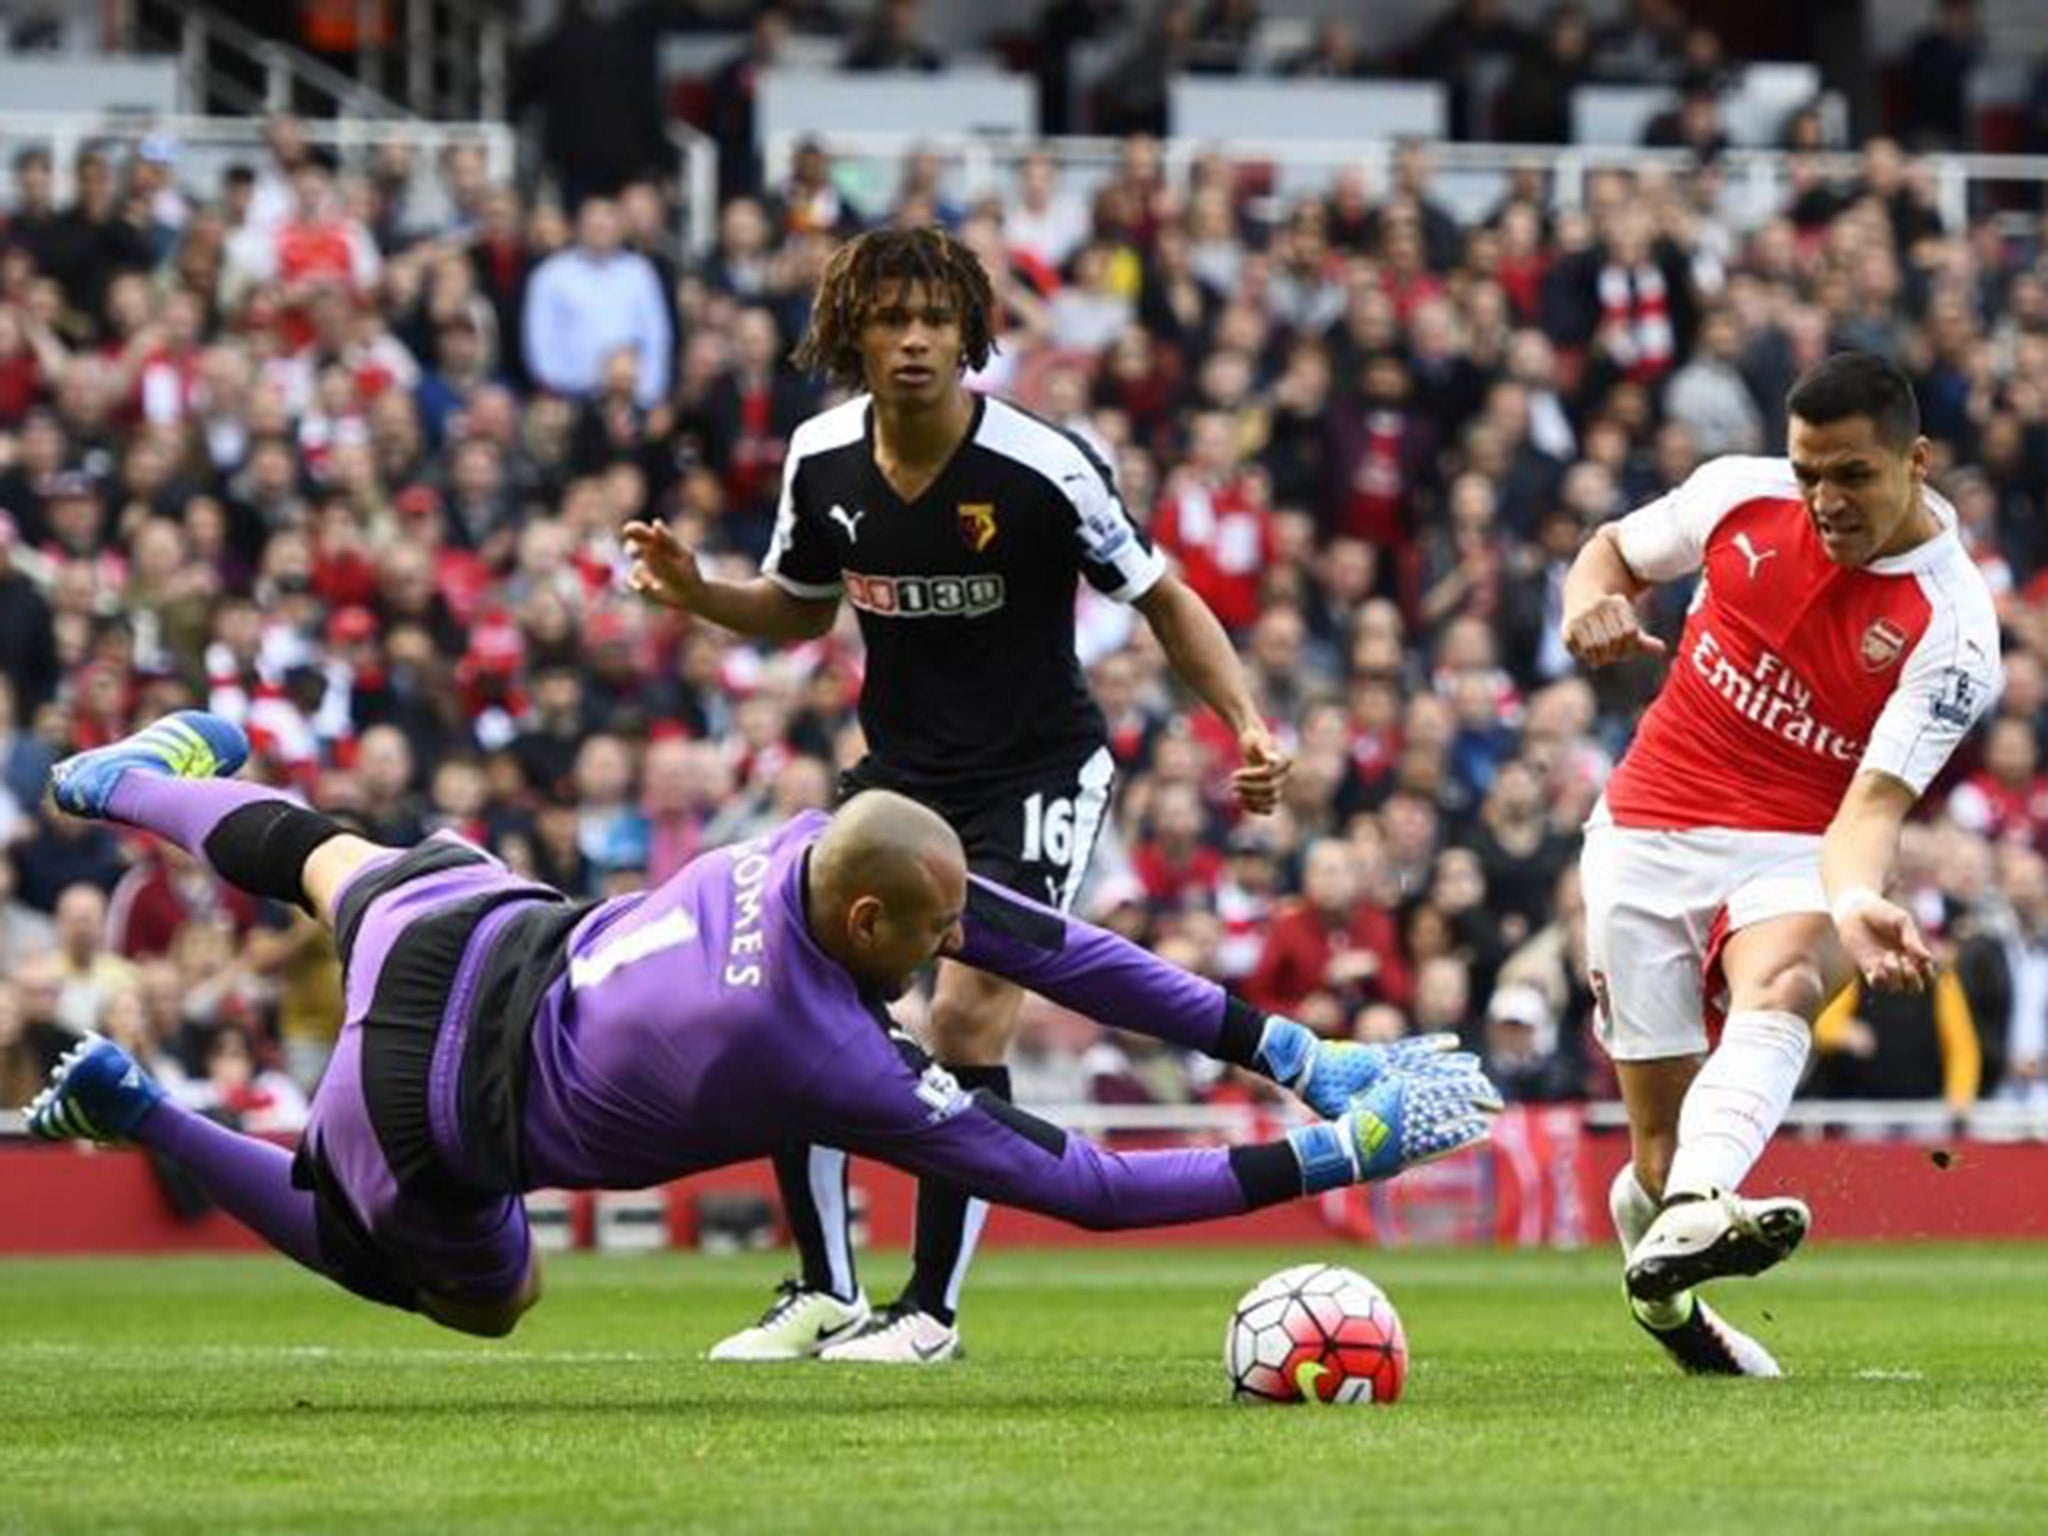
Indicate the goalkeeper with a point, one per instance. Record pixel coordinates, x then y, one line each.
501 1037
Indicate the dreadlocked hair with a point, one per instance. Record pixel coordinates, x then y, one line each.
870 264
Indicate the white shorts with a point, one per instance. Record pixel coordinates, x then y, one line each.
1652 900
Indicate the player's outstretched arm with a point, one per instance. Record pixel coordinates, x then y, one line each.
923 1122
1601 624
1115 982
665 571
1856 857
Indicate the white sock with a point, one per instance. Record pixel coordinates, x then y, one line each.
1631 1207
1738 1100
1633 1210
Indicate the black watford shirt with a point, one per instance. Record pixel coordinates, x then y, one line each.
966 595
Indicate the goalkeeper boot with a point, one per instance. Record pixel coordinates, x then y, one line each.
97 1092
188 745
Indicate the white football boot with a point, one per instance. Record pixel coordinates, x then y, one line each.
1704 1237
902 1334
798 1324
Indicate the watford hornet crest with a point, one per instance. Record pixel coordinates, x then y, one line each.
977 524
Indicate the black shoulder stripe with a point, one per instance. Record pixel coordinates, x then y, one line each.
993 907
1095 460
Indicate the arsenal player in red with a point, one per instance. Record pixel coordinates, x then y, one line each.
1840 644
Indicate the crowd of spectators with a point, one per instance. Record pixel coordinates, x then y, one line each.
295 449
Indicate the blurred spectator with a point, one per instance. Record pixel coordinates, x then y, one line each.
1215 522
1520 852
1709 396
1332 54
28 652
890 42
1628 299
1175 864
1331 951
1521 1048
591 301
1443 1001
317 247
1905 1045
1223 37
240 1092
88 244
298 954
31 219
1246 892
809 202
62 852
1535 101
593 79
2007 798
744 422
24 1061
1645 46
88 971
1131 98
23 930
162 891
1934 79
1693 124
1046 223
125 1019
730 107
1473 48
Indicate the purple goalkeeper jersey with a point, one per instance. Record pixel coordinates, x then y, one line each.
699 1023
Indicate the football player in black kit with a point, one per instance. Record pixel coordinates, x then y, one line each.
956 525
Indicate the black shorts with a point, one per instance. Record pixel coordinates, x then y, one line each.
1034 834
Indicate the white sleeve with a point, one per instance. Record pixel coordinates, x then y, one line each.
1668 538
1115 555
1948 683
799 559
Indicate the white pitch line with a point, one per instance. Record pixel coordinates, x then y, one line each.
125 1355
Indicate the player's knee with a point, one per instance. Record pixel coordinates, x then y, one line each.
483 1319
1796 986
492 1320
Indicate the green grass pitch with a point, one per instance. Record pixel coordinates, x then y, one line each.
240 1395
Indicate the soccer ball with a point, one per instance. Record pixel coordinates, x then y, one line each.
1316 1333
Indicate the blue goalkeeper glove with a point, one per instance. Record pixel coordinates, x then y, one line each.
1405 1119
1327 1075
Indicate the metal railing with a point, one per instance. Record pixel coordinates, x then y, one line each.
443 59
215 54
1470 180
697 208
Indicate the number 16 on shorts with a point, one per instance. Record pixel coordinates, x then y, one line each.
1048 829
